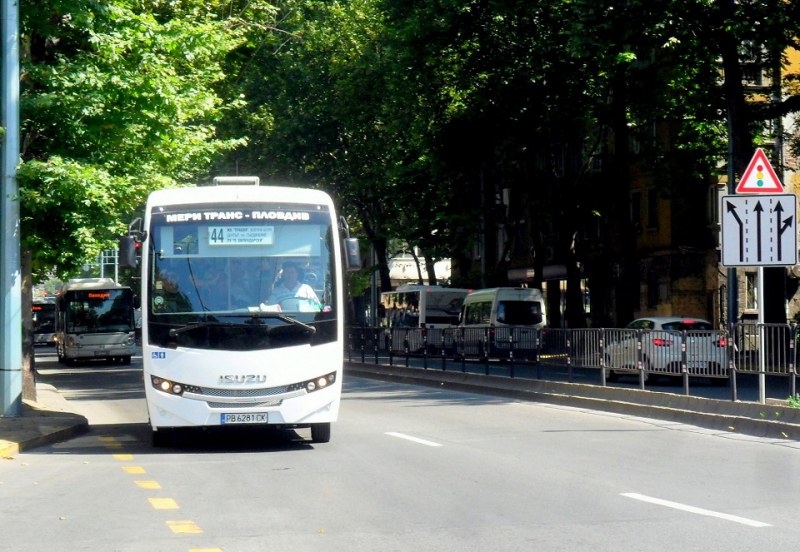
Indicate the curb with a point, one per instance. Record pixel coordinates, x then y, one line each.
48 420
71 429
758 420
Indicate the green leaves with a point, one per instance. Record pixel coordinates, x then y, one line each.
112 108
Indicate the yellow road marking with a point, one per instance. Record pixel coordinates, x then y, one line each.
133 469
123 457
113 445
107 439
184 526
163 503
148 484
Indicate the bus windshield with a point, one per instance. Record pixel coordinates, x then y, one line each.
99 311
227 279
44 318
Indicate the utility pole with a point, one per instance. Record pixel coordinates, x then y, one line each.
10 276
732 278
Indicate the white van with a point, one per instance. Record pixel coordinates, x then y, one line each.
509 314
504 306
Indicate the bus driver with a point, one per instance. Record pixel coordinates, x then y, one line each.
290 287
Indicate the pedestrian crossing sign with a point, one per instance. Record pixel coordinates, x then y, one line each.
759 178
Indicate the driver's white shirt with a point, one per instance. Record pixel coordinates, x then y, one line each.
281 293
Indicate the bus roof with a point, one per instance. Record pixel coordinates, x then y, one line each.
91 283
234 193
419 287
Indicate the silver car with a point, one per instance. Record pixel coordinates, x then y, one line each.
666 345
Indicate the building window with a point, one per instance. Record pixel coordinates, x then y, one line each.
652 295
715 194
636 211
750 291
652 208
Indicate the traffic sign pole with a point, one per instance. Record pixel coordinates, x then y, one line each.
761 231
762 353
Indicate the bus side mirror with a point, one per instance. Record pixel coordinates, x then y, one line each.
352 255
127 252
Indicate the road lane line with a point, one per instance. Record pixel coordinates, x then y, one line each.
164 504
183 526
694 510
148 484
133 469
414 439
123 457
110 442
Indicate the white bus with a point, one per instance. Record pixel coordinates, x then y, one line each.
219 347
94 320
413 306
43 314
421 306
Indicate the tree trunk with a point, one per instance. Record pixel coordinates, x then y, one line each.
741 134
420 280
627 286
28 356
430 267
383 264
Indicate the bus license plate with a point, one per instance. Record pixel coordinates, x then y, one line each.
249 418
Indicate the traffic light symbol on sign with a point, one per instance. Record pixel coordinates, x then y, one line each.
759 177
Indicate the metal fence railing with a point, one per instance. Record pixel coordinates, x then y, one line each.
612 354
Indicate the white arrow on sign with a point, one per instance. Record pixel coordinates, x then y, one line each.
759 230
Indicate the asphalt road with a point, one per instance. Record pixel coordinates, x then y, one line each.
407 468
748 385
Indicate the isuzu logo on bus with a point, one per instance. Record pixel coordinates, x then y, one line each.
245 378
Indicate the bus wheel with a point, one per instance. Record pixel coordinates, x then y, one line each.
320 433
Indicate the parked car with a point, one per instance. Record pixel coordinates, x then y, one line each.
662 344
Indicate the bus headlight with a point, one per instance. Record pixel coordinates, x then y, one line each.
315 384
171 387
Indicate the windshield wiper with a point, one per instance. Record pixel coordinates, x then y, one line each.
283 318
174 332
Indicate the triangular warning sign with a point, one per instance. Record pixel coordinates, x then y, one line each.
759 178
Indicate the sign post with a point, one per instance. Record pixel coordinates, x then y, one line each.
759 230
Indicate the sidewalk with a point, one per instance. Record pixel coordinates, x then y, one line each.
49 419
771 420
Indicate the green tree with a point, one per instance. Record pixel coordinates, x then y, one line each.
423 116
315 110
117 99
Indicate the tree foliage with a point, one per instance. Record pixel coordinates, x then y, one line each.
436 123
117 99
